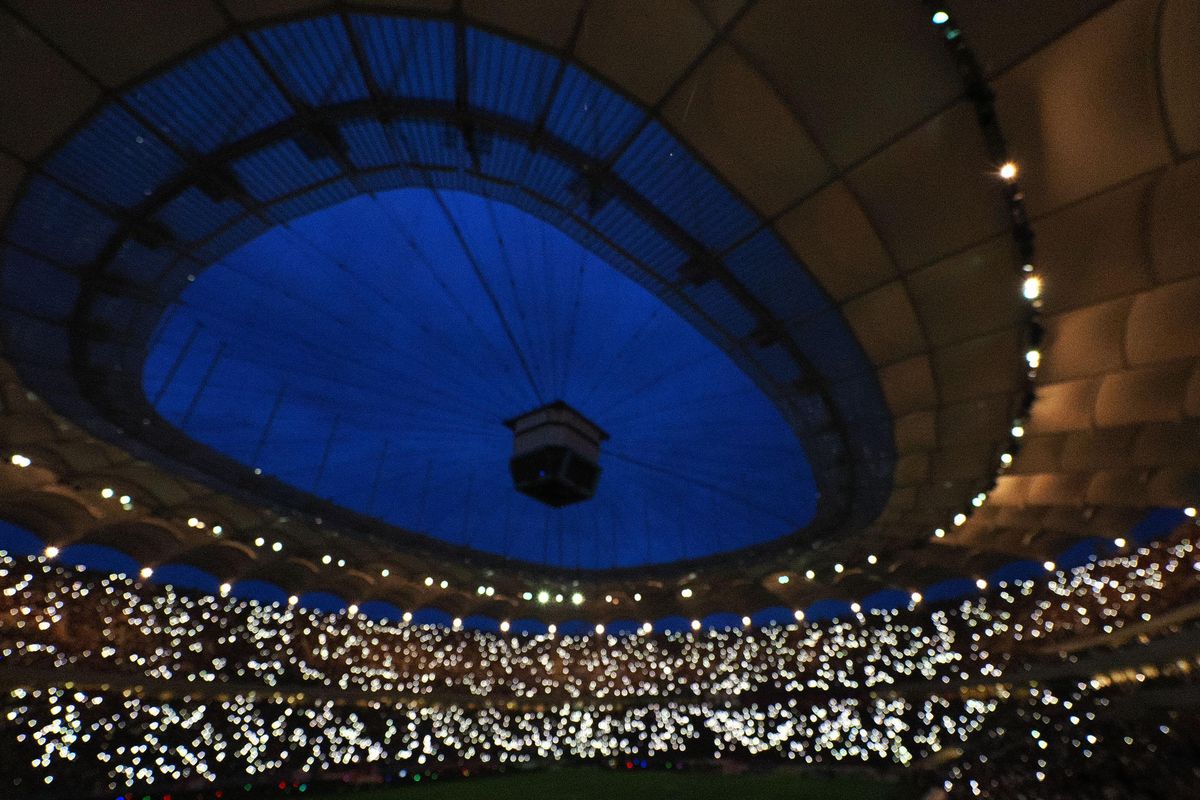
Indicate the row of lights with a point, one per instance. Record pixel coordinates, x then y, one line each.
1031 286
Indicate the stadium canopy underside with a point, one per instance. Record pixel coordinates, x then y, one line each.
833 224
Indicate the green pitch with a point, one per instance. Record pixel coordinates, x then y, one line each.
598 784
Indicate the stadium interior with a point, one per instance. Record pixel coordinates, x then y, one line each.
599 398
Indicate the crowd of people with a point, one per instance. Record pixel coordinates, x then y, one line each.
243 690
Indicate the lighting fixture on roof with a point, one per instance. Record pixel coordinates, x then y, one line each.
940 533
551 629
51 552
576 599
556 454
1119 541
1018 430
385 572
1190 511
940 18
783 579
637 597
428 580
799 615
685 593
456 623
695 624
1006 459
20 460
1033 358
872 559
277 546
916 598
146 572
125 499
960 519
599 630
855 608
107 493
225 588
1048 566
352 609
839 568
543 597
445 584
746 622
981 584
810 575
1032 287
260 541
1008 170
504 626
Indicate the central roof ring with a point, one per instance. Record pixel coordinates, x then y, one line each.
616 188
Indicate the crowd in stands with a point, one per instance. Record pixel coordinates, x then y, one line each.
242 690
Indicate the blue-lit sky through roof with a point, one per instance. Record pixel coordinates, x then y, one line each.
370 352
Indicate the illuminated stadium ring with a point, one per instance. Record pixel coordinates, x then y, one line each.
180 171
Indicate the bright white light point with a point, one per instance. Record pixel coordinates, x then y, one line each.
504 626
637 597
260 541
1018 431
552 629
107 493
218 530
940 18
940 533
916 597
1049 566
277 546
352 610
799 615
385 572
855 608
225 588
746 621
125 499
51 552
685 593
783 579
1008 170
1190 511
872 559
1032 288
1119 541
293 600
810 575
981 584
456 623
599 630
543 596
1006 459
428 581
342 563
576 599
146 572
20 460
838 568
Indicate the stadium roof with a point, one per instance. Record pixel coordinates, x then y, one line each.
816 192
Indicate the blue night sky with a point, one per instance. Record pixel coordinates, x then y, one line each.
394 333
